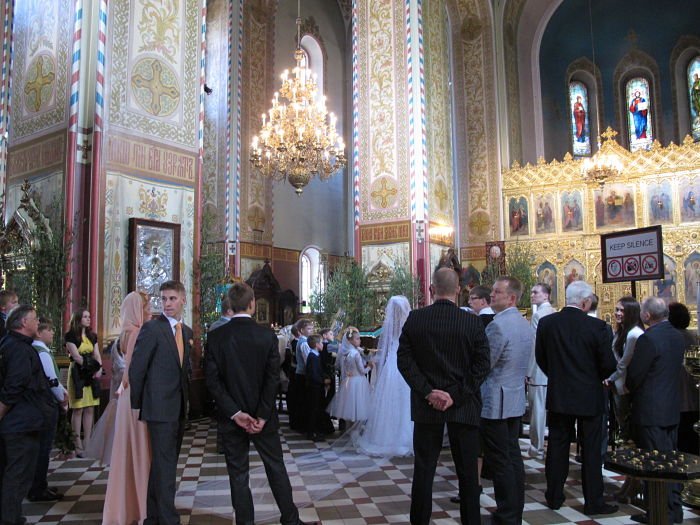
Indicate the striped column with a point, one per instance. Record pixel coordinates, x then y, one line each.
355 129
418 162
239 77
5 96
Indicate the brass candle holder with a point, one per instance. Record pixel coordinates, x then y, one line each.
691 491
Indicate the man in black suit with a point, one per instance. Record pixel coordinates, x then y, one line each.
242 374
444 357
652 379
25 403
159 381
574 350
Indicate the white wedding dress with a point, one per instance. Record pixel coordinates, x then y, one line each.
389 429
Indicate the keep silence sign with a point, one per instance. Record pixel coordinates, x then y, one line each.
632 255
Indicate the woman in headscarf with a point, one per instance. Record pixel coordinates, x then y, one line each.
389 429
127 485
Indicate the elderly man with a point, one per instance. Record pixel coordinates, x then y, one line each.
503 393
652 379
573 349
536 379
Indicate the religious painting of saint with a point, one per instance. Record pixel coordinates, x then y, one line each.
690 204
154 257
518 216
692 278
694 94
544 213
639 115
580 128
470 277
666 287
547 273
660 203
614 206
573 271
571 211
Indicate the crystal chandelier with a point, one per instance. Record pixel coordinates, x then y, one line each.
605 164
298 139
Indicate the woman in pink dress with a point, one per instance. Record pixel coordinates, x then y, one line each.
127 485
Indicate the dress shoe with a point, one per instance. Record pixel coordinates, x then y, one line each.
46 495
309 523
553 506
603 509
455 499
640 518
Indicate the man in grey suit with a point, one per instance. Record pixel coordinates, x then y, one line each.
536 378
226 314
159 380
503 393
652 379
444 357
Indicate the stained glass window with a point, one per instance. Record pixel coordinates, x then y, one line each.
694 93
639 116
580 124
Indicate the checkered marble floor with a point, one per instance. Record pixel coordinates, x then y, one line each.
329 486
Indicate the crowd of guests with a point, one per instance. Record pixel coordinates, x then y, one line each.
469 369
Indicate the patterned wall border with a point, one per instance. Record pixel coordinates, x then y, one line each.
36 156
256 251
383 233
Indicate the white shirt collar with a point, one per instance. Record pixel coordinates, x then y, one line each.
41 344
241 315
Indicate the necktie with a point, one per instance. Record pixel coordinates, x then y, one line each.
179 342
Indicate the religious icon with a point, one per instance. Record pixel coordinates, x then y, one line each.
640 118
666 287
580 129
544 213
690 206
518 216
692 277
614 206
154 257
694 93
547 273
660 203
573 271
571 211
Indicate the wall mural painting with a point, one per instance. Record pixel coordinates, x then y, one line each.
694 93
580 125
614 206
690 206
692 278
573 271
660 203
571 211
639 117
544 213
547 273
666 287
518 216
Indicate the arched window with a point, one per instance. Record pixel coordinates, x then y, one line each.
314 58
580 123
639 115
694 95
311 275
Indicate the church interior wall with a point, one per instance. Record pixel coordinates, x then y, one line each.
296 219
651 27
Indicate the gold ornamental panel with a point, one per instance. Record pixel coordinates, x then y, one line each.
551 209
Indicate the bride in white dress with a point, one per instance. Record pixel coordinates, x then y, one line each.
389 429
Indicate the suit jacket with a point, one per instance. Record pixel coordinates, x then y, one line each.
573 349
443 347
3 330
243 371
219 322
653 374
534 372
157 382
314 371
510 340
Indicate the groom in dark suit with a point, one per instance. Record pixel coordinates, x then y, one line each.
444 357
159 379
242 373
